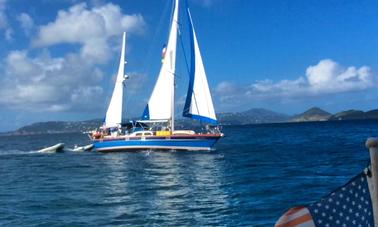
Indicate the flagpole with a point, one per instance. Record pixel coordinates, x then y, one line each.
372 145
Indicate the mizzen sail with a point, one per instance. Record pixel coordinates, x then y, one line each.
114 113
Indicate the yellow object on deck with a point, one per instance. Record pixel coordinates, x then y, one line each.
163 133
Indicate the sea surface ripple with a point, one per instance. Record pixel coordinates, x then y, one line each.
255 174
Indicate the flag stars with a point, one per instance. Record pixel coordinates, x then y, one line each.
347 206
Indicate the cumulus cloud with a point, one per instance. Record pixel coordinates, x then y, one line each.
92 28
26 22
33 80
44 83
326 77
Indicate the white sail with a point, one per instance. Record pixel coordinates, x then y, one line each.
114 113
199 104
161 103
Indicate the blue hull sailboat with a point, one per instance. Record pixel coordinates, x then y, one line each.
156 129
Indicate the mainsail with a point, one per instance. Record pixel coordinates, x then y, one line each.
161 103
114 113
198 104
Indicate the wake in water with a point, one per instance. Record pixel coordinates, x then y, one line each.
60 148
57 148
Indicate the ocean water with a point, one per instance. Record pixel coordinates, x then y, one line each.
255 174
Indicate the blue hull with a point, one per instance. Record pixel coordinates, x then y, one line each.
158 143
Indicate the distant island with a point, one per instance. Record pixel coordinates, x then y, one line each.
251 116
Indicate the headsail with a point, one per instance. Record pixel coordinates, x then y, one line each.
114 112
198 104
161 103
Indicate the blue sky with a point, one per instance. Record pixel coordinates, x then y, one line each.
58 58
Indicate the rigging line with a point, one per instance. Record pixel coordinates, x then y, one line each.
183 48
186 63
156 32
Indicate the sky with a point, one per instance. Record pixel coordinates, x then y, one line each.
58 58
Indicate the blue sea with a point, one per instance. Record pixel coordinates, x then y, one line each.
253 176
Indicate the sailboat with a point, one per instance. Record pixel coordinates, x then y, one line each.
156 128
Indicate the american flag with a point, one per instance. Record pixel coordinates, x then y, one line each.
349 205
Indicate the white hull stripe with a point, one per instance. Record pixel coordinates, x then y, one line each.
151 147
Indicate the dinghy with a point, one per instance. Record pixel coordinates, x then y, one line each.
53 149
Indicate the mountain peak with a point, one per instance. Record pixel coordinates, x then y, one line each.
312 114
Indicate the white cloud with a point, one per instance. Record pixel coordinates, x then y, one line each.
325 78
92 28
26 22
44 83
329 77
36 81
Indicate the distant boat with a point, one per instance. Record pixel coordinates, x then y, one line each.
156 129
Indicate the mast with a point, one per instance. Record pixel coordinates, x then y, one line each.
174 21
114 113
160 105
